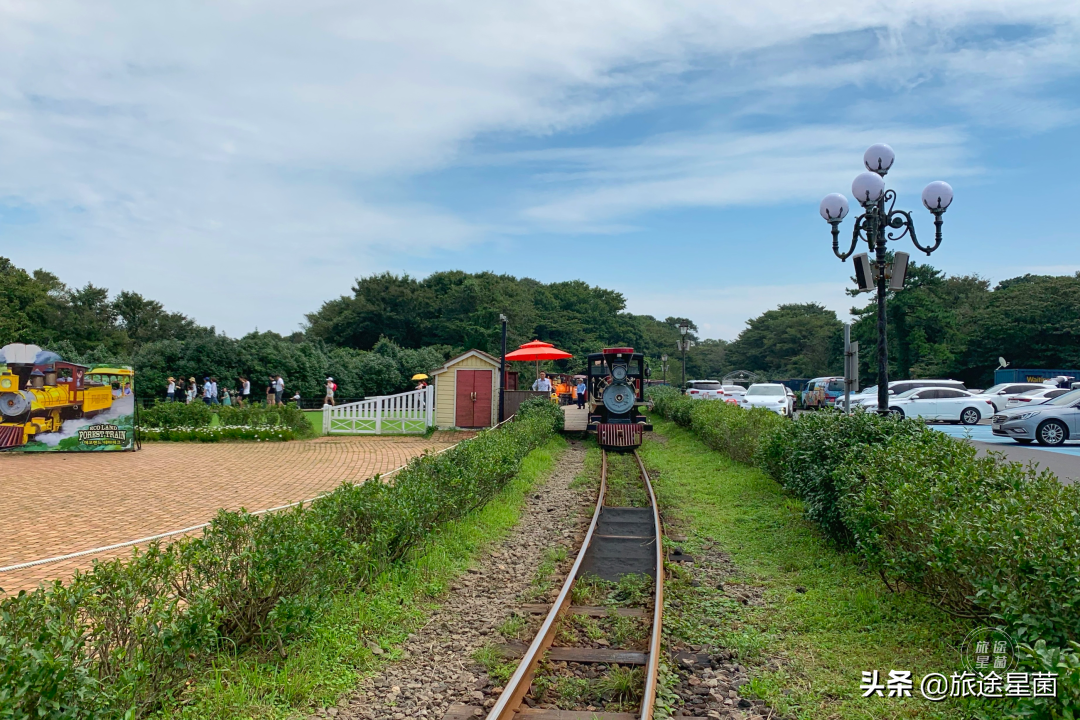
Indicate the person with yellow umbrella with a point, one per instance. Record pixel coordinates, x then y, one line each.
422 380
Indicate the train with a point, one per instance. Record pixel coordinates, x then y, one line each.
38 394
615 378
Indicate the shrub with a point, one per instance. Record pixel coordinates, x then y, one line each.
192 423
734 431
176 414
803 456
121 638
544 407
979 536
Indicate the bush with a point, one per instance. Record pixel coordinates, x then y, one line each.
732 430
981 537
118 640
543 407
803 456
192 423
176 414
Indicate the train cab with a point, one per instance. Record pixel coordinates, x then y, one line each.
616 386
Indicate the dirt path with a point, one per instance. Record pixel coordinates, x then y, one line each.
438 669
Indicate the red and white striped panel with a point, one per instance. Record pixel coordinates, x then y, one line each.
11 435
616 435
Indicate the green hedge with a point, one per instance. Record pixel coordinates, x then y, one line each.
985 539
255 421
120 639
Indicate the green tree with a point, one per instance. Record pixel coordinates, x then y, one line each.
793 341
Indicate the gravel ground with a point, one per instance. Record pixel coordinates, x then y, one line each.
438 669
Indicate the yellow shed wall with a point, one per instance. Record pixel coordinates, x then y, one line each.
446 384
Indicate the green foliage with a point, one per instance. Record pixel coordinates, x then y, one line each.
180 422
792 341
176 414
732 430
544 408
803 455
121 639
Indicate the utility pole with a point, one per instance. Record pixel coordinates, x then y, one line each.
502 371
684 328
851 367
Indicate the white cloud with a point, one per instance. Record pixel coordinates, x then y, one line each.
242 161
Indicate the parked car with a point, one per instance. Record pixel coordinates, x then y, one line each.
704 389
713 390
1034 397
896 387
1001 393
771 396
822 392
944 404
1051 423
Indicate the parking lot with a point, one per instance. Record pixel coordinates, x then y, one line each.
56 504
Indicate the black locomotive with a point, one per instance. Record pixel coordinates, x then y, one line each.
616 383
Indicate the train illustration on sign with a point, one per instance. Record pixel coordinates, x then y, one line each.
616 385
39 391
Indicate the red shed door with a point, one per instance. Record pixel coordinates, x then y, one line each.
473 401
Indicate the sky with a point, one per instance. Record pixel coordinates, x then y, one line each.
242 162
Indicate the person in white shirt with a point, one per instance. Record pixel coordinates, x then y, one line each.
542 384
171 392
279 390
206 390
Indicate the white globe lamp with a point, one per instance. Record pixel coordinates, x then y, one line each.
834 207
937 196
868 187
879 158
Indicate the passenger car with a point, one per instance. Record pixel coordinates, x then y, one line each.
822 392
1051 423
1001 393
1034 397
896 387
771 396
945 404
704 389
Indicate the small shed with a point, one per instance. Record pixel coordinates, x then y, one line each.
467 391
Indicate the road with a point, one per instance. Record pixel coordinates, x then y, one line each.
1063 461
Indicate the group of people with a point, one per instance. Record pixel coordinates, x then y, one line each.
577 392
189 391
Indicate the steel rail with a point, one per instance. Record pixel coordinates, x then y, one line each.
512 695
652 671
510 700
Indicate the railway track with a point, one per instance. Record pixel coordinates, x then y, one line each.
620 542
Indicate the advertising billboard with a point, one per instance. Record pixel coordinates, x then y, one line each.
48 404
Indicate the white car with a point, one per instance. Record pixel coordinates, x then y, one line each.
942 404
1001 393
713 390
771 396
1034 397
896 387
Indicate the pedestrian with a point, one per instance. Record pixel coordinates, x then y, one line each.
542 384
171 392
279 391
190 394
213 391
271 391
245 391
226 397
331 386
296 398
581 392
206 389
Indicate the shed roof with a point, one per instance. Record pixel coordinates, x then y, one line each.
472 353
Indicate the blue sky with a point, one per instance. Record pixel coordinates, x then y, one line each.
242 162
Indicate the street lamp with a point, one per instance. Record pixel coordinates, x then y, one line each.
663 365
684 327
502 371
875 226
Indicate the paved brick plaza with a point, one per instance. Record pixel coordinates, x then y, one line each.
58 504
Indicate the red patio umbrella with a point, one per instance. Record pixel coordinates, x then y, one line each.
537 350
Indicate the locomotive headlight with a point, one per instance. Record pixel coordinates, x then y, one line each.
5 383
618 372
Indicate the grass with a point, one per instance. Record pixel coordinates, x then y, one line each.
315 418
821 615
336 653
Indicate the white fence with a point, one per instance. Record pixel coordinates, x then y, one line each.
404 413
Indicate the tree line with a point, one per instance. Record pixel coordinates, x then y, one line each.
392 326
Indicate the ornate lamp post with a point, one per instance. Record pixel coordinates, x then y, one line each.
684 327
878 224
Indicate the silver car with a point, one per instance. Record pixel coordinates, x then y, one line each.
1051 423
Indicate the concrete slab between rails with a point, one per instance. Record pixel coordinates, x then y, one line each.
590 610
629 521
579 654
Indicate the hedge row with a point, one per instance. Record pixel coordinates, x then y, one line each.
255 421
986 539
120 639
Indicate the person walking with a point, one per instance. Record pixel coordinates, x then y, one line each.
271 391
226 397
581 392
296 399
170 393
245 391
279 391
206 389
542 384
189 396
331 386
213 391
